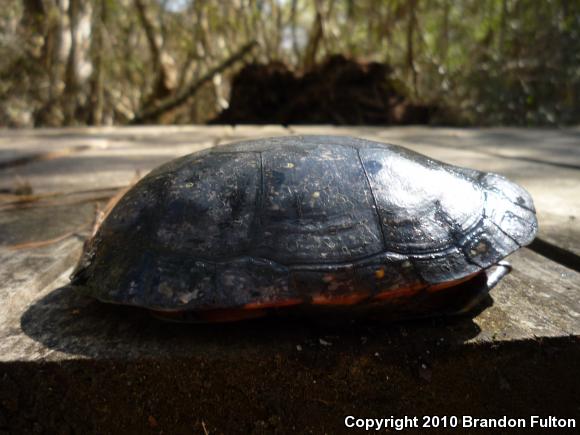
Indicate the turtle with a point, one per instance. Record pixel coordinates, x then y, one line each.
320 222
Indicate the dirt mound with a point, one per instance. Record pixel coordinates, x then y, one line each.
339 91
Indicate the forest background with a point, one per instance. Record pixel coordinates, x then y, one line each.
110 62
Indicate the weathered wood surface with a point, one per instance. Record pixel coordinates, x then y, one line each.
42 321
109 158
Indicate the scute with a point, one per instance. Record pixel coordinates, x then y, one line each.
511 191
316 207
421 204
304 218
209 206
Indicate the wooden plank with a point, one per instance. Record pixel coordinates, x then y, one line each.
62 350
558 147
123 151
310 389
16 144
111 157
540 298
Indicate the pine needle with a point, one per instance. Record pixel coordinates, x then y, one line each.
100 216
44 243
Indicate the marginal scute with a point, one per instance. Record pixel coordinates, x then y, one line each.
519 224
248 280
394 274
444 267
165 282
181 284
511 191
311 284
508 223
488 244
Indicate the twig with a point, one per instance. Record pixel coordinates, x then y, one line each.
17 206
13 199
48 242
100 216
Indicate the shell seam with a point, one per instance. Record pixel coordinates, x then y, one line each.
379 220
509 236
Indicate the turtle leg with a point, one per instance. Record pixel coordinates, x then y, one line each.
491 277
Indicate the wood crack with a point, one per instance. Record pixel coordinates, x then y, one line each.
555 253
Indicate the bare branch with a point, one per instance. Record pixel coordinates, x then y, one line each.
173 102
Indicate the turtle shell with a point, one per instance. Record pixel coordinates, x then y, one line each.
301 220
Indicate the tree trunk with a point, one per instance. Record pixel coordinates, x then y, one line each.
411 25
33 16
444 41
502 27
97 88
163 64
172 102
71 77
55 52
314 38
293 24
79 67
